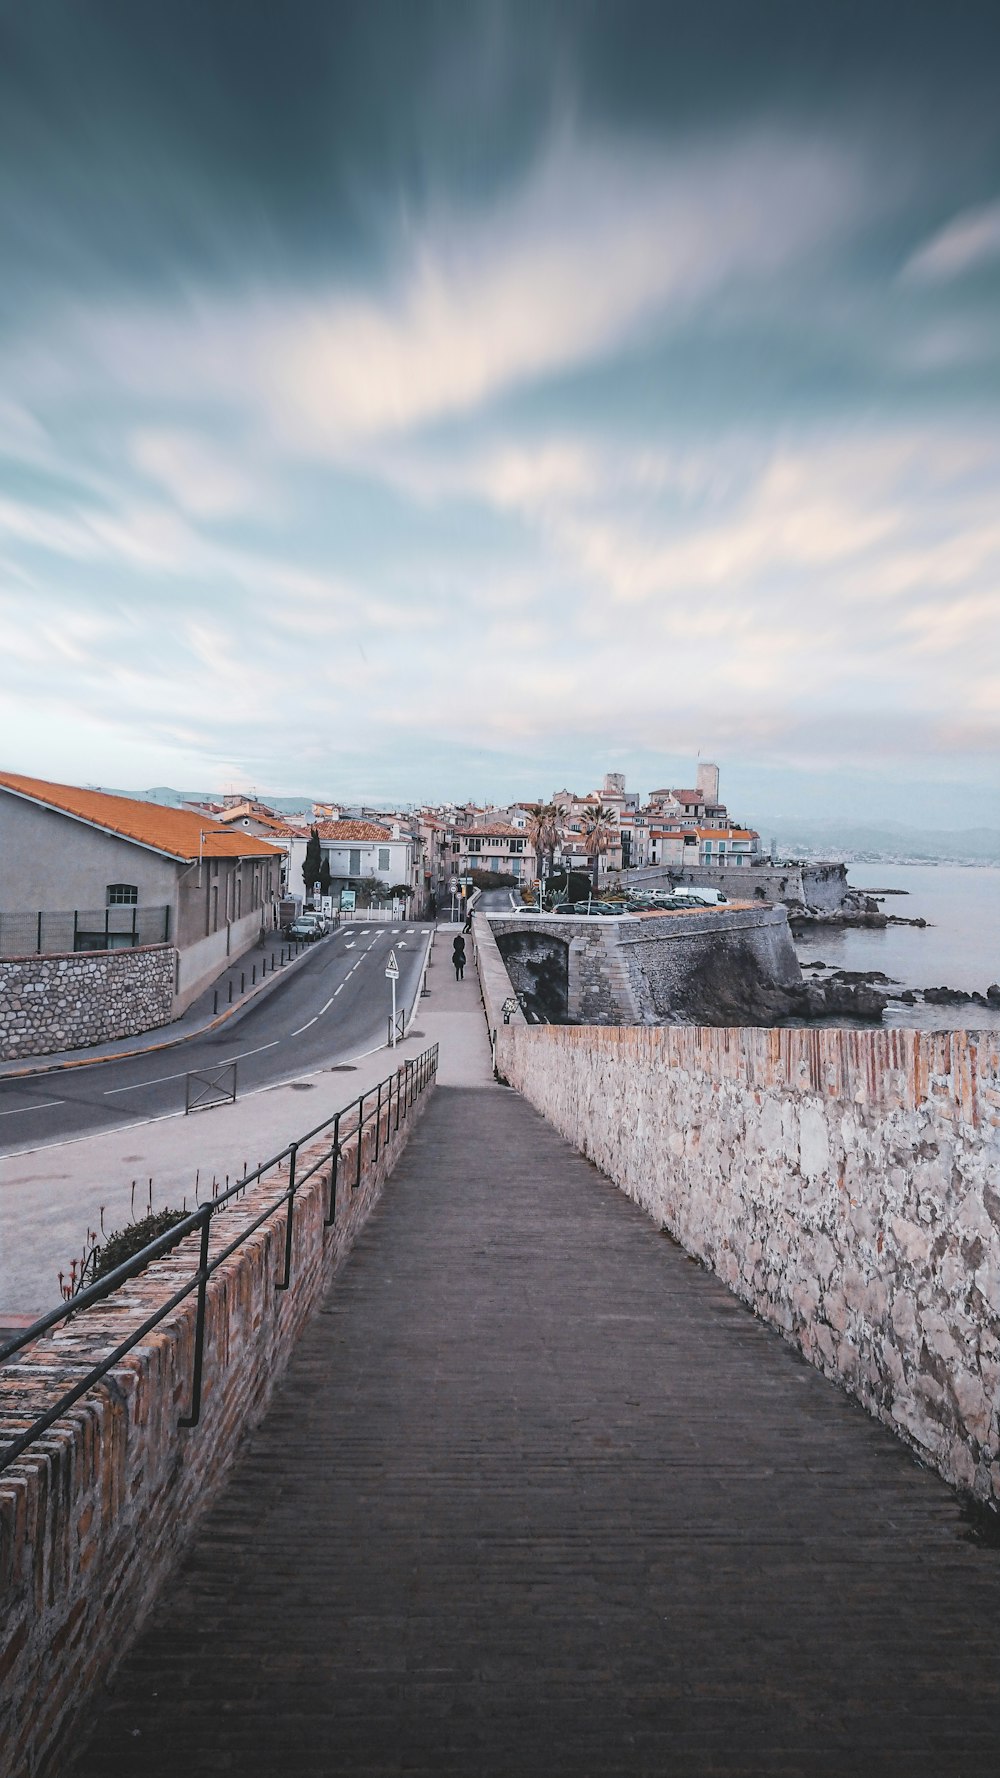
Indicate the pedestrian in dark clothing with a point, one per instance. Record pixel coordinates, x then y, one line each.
458 957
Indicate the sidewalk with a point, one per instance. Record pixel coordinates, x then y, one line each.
539 1498
50 1197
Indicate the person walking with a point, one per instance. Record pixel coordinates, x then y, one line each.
458 957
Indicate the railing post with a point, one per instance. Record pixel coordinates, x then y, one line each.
293 1150
361 1131
334 1165
194 1416
378 1118
396 1079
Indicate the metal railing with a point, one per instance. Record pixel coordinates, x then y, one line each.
205 1087
385 1106
120 927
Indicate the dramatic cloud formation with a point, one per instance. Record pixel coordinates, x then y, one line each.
339 455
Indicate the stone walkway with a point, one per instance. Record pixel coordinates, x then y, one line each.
539 1498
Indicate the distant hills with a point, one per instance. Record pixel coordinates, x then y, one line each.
172 799
883 839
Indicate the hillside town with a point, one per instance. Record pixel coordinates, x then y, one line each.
416 854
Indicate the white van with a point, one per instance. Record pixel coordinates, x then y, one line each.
703 898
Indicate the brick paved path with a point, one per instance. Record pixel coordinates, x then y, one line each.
539 1498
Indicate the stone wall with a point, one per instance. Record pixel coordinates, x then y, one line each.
713 966
94 1517
846 1184
821 886
62 1003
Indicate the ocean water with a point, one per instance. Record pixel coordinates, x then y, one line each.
959 948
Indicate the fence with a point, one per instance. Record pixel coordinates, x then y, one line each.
383 1107
44 934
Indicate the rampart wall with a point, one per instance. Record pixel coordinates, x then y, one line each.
94 1517
846 1184
710 966
57 1003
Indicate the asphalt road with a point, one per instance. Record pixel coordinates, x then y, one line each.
331 1009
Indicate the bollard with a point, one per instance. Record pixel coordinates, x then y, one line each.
215 1001
253 975
230 990
243 982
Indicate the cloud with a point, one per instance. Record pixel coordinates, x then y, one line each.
598 245
968 241
203 479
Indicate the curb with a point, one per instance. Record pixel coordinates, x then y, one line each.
167 1043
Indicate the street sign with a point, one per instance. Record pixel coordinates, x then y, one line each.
392 968
452 884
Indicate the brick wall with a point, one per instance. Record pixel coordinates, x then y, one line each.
95 1516
844 1183
57 1003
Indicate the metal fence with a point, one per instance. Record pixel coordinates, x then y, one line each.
83 929
384 1106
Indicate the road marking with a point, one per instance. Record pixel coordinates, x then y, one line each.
305 1027
349 947
337 991
244 1053
410 930
43 1105
327 1007
109 1092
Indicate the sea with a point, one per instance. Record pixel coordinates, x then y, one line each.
958 948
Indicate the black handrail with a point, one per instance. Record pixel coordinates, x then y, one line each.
404 1085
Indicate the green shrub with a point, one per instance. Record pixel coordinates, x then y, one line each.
133 1238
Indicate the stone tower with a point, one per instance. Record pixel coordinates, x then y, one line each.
708 781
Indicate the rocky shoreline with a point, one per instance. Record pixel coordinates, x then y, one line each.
872 988
858 908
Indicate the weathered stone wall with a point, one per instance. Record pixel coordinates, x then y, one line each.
714 966
711 968
846 1184
814 885
95 1516
61 1003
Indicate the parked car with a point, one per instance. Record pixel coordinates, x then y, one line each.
306 929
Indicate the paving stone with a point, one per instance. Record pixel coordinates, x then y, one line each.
539 1497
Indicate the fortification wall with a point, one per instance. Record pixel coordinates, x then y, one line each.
821 886
94 1516
713 966
846 1184
57 1003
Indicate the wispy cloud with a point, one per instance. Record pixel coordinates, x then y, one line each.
968 241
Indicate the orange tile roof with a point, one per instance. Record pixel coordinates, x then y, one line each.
174 832
352 830
725 833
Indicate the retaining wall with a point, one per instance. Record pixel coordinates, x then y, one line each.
709 966
57 1003
95 1516
846 1184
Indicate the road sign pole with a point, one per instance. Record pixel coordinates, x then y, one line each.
393 1012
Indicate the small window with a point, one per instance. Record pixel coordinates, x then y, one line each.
383 858
354 862
122 895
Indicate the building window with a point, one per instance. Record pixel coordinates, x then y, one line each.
122 895
475 845
383 858
354 862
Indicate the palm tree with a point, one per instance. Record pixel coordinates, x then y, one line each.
543 830
600 826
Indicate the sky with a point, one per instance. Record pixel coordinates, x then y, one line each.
408 402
